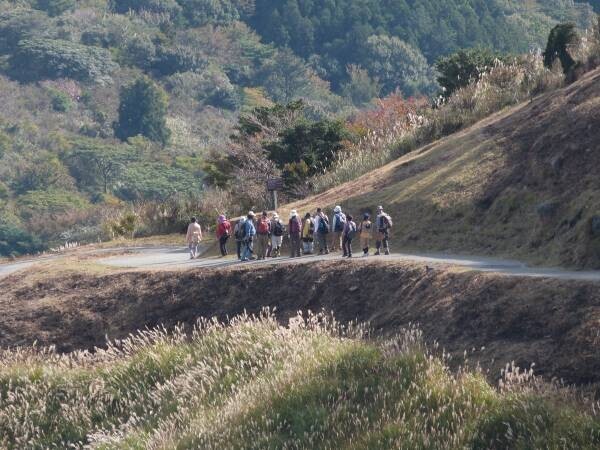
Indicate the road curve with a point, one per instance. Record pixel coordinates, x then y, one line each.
173 257
177 258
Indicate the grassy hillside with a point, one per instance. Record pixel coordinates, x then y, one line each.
522 183
253 384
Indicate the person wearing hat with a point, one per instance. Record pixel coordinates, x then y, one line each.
277 230
263 235
223 233
337 227
365 231
295 231
383 224
193 237
249 233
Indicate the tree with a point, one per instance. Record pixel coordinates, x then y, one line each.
54 58
463 67
361 88
286 77
398 65
313 143
96 165
143 110
561 38
203 12
55 7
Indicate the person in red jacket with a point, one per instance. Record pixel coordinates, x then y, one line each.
223 233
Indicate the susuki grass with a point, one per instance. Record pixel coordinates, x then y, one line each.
252 383
506 84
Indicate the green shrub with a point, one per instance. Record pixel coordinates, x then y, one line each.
45 58
560 42
143 110
15 242
55 7
155 181
53 201
60 101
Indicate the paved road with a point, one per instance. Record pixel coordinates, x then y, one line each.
170 257
177 257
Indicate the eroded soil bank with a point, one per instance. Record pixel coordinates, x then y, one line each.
554 323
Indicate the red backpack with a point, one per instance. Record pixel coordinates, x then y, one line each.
264 226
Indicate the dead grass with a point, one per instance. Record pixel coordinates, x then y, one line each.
478 190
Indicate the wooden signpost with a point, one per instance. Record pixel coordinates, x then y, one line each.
274 185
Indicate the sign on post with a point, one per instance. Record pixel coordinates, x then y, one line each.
274 185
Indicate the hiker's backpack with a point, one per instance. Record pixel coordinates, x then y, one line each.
295 226
311 227
278 229
340 222
387 220
323 225
351 230
240 231
263 226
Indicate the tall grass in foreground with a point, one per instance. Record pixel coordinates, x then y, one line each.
252 384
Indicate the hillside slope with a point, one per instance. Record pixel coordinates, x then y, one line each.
522 183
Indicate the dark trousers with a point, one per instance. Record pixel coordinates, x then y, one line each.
347 246
238 245
295 245
223 245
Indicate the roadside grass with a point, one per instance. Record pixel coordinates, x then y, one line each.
253 384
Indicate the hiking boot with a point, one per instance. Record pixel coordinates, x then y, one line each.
387 252
377 253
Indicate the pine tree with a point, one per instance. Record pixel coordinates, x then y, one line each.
143 110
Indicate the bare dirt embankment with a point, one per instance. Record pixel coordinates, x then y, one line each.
554 323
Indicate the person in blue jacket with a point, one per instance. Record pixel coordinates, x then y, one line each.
249 234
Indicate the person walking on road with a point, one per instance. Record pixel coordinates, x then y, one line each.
249 234
193 237
365 230
295 231
223 233
348 235
383 224
277 230
321 231
308 233
337 225
263 235
238 232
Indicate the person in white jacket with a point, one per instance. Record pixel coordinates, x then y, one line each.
193 237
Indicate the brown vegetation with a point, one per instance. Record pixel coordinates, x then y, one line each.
551 323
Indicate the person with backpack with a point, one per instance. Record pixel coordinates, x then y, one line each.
383 224
277 230
295 231
365 230
249 234
337 226
238 232
223 233
348 235
321 231
308 233
193 237
263 235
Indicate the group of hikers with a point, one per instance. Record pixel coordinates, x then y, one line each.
262 237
